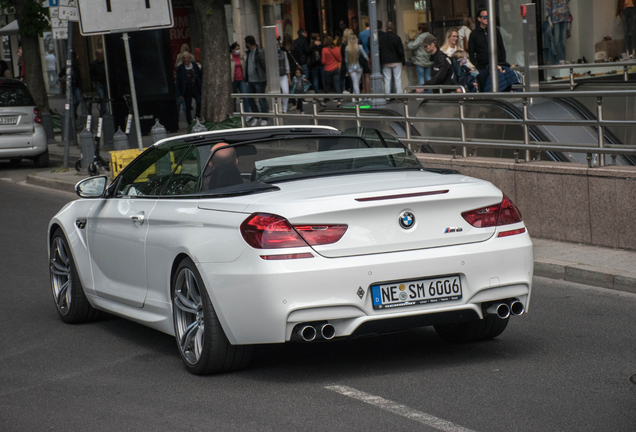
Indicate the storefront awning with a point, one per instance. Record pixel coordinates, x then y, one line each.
10 29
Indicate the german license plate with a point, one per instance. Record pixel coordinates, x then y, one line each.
416 292
8 120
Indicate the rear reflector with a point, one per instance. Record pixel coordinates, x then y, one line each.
511 232
504 213
286 256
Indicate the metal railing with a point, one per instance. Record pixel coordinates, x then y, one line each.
525 122
572 79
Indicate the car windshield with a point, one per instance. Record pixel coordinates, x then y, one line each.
222 169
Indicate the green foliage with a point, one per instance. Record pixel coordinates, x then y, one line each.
33 18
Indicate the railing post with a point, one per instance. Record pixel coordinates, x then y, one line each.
406 123
242 112
625 74
462 127
526 128
277 102
601 129
571 78
314 112
357 102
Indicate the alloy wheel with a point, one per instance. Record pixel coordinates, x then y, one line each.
61 281
189 316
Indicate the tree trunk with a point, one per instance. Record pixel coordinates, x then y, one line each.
216 103
31 54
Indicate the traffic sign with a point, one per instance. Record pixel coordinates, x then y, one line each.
60 33
58 23
119 16
68 10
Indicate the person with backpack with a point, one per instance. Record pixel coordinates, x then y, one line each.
442 72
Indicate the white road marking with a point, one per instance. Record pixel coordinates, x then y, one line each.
398 409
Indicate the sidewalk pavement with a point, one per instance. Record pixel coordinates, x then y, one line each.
591 265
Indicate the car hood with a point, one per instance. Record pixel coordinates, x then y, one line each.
371 205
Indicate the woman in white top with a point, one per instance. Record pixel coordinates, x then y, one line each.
353 53
465 31
451 44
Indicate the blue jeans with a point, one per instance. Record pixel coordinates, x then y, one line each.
101 92
559 32
423 74
628 16
257 87
239 87
318 76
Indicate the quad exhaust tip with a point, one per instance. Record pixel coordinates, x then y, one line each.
502 310
311 332
516 308
307 333
327 331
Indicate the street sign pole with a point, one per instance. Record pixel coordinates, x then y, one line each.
133 92
69 92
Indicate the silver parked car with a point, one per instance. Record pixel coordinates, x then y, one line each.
21 132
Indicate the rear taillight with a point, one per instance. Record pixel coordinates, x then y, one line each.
37 115
317 235
504 213
268 231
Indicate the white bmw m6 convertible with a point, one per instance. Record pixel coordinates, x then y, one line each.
234 238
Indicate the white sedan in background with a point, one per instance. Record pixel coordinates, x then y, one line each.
235 238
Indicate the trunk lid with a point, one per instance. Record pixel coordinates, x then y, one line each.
371 205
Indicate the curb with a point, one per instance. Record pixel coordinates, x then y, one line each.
585 274
51 183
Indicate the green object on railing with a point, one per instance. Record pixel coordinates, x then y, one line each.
230 123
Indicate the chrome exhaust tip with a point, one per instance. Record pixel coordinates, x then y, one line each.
307 333
516 308
327 331
502 310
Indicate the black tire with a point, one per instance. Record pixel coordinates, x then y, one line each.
200 338
42 160
78 165
488 328
15 161
68 292
92 169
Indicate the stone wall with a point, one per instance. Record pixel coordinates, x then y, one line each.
560 201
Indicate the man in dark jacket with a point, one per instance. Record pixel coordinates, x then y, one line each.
255 77
391 57
303 49
442 71
479 48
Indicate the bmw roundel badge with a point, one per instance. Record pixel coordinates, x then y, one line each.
407 220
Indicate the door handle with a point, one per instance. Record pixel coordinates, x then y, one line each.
139 218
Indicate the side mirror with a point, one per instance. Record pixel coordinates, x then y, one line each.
93 187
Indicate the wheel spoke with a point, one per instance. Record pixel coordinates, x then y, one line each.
193 290
59 269
186 305
61 250
188 334
63 298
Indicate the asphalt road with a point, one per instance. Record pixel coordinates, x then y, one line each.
564 366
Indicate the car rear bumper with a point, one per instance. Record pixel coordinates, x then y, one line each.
23 145
261 301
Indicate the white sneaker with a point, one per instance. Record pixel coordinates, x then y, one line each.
254 122
264 122
247 119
